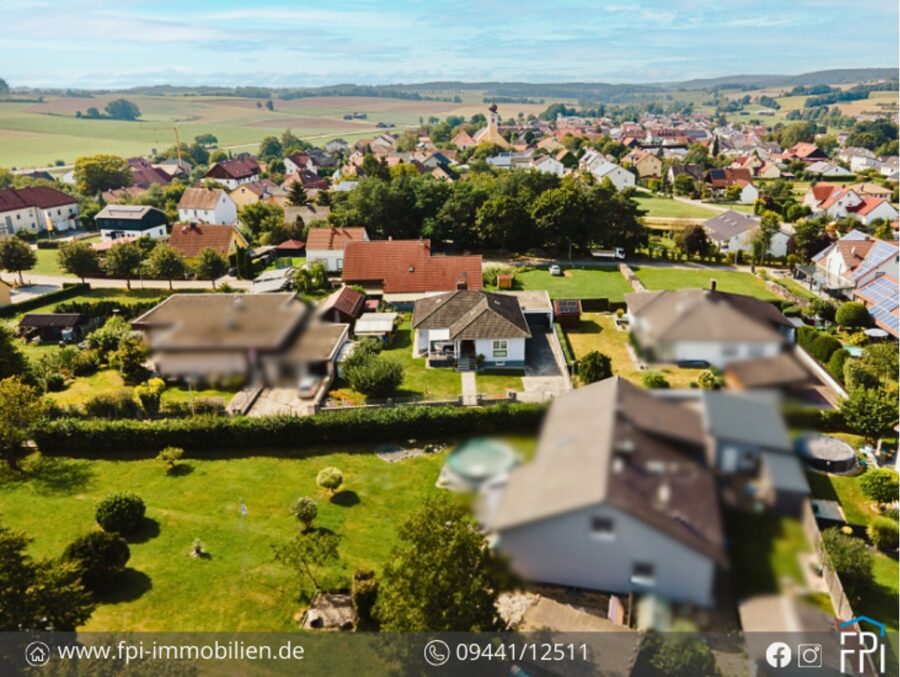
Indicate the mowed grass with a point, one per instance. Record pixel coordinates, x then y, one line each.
240 587
47 259
666 207
496 382
576 283
733 281
597 331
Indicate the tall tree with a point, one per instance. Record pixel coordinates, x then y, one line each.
297 196
16 255
261 217
869 413
441 537
79 259
167 263
210 265
96 173
503 222
124 261
12 360
308 552
21 409
122 109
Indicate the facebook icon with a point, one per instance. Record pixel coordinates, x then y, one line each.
778 655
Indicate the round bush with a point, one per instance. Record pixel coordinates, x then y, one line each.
836 364
880 485
121 513
593 367
99 555
376 377
305 510
822 348
852 314
330 479
884 533
654 379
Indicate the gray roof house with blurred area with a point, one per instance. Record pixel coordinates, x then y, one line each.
118 221
267 339
698 325
618 498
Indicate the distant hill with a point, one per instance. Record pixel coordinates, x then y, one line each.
837 76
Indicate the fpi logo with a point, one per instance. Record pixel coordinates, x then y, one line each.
862 644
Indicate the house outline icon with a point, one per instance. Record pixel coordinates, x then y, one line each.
872 621
37 654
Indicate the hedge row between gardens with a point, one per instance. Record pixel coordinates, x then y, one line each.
67 292
813 418
207 435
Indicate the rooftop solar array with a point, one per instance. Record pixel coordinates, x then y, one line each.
568 306
881 298
878 254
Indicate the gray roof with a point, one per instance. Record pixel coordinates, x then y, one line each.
726 225
785 472
744 418
616 444
123 212
472 315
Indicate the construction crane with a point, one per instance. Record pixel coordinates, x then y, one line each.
177 144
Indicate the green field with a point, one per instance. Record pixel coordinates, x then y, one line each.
39 134
240 587
666 207
575 283
733 281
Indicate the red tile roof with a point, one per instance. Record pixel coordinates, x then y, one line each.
346 300
43 197
332 239
192 239
407 266
821 191
237 168
144 177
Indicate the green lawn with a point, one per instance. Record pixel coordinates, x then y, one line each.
795 287
734 281
284 262
47 259
576 283
666 207
82 388
597 332
495 382
419 381
240 587
764 551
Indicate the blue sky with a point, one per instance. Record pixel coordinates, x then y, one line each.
112 43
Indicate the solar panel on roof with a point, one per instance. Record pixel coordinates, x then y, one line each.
568 306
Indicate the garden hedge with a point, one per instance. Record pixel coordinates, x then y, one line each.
209 435
67 292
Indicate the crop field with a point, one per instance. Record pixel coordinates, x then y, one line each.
40 134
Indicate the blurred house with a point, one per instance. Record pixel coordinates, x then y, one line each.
699 325
618 498
461 326
732 231
264 338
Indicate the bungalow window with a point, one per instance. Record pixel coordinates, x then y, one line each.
642 573
603 528
729 350
500 349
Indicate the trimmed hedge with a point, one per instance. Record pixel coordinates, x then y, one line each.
836 364
813 418
207 435
67 292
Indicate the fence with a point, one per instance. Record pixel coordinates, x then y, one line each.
839 599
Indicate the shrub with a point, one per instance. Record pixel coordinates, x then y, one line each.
880 485
129 359
106 339
858 375
593 367
709 379
850 558
306 511
679 654
852 314
836 364
884 533
363 351
170 457
330 479
654 379
364 593
824 309
805 336
120 513
98 555
115 405
376 377
823 347
148 395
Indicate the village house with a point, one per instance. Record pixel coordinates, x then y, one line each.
406 269
721 179
839 202
602 168
119 221
35 209
881 296
853 262
805 152
645 163
207 205
467 327
232 173
732 231
706 326
327 245
192 238
263 190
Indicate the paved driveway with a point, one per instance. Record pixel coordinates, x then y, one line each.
545 372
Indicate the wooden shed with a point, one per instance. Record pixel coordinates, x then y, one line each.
567 312
505 281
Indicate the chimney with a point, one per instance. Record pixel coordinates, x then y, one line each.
712 284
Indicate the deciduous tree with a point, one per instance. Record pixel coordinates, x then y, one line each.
16 255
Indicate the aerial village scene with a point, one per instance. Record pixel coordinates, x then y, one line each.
522 357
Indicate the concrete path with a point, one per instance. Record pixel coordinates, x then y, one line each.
469 388
107 283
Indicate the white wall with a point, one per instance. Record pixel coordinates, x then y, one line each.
717 353
333 259
225 213
563 550
515 350
114 234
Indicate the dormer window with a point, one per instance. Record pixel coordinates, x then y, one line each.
603 528
643 574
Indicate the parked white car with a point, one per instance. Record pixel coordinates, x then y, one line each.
555 270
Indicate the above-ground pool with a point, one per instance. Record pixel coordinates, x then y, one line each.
826 453
481 459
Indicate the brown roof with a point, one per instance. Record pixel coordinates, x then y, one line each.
407 266
237 168
223 321
200 198
616 444
43 197
346 300
191 239
699 314
765 372
332 239
472 315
